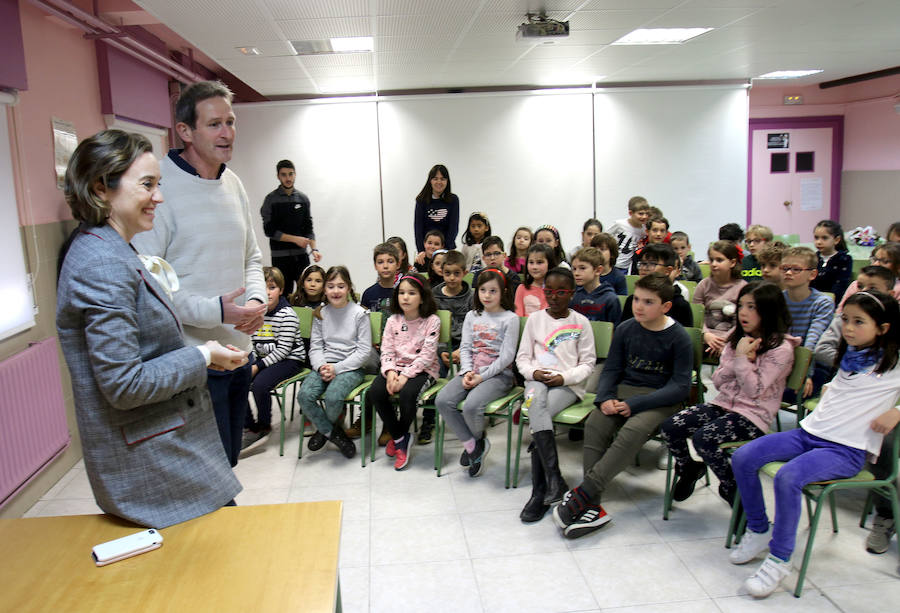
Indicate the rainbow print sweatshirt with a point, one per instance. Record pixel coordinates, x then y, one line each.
564 346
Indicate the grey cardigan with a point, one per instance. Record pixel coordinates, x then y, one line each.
151 447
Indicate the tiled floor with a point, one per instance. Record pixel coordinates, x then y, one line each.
415 542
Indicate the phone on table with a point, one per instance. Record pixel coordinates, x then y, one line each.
126 547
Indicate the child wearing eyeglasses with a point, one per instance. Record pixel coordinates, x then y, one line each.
887 255
556 355
811 310
757 238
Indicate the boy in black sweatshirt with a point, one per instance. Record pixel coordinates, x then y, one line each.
644 381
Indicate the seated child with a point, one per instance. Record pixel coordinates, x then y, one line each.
835 266
718 294
494 257
731 232
854 415
811 310
556 355
594 299
657 234
758 238
278 354
590 229
750 379
518 250
893 233
434 240
610 274
340 349
488 348
409 363
661 258
477 228
435 273
530 295
549 235
403 264
387 262
644 381
690 271
630 231
869 278
310 287
769 260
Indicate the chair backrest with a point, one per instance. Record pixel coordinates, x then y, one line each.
522 322
305 315
603 332
698 312
467 278
704 270
696 335
446 324
830 295
630 281
691 287
795 381
622 300
375 322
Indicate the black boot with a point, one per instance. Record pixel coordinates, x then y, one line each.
687 477
342 441
545 445
535 508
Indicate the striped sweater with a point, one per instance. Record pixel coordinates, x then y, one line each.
279 338
810 318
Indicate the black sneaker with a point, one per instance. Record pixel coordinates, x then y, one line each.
253 442
577 516
426 432
464 459
316 441
687 479
476 459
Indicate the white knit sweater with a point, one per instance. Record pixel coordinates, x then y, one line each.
203 230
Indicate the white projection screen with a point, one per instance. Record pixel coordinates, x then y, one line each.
682 148
334 147
524 158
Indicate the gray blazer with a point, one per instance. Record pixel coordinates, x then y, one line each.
151 446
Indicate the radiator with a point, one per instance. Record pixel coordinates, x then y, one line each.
33 428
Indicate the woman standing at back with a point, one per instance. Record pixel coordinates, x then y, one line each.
437 208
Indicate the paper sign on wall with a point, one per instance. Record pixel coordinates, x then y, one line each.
811 194
64 142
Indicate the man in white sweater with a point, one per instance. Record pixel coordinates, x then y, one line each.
203 230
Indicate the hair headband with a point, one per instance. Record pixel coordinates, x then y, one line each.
551 229
498 271
438 252
411 278
873 297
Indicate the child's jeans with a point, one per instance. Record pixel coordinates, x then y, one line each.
544 403
809 458
408 399
469 423
335 390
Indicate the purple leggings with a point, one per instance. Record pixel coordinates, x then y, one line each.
809 458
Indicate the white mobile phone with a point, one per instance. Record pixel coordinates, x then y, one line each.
126 547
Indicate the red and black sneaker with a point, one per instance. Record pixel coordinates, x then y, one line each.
577 516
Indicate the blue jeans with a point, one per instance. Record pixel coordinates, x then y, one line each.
335 391
809 458
230 393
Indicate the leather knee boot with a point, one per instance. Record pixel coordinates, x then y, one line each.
535 508
545 445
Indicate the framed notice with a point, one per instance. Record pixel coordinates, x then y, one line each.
779 140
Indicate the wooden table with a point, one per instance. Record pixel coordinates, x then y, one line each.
281 557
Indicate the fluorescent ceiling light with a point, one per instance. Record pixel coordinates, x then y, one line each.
249 50
353 44
660 36
788 74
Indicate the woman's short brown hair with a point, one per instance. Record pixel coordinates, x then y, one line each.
101 158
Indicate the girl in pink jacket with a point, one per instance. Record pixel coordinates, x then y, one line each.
753 369
409 361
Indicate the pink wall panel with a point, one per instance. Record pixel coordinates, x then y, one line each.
12 68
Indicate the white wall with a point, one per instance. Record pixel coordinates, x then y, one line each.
525 158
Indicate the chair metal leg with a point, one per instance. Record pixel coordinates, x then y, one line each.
834 524
732 536
518 451
300 446
867 508
814 524
509 424
439 426
667 499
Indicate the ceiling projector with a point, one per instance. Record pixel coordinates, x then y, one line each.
539 29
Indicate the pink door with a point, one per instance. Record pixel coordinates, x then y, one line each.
795 166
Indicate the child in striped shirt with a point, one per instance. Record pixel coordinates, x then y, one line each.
278 353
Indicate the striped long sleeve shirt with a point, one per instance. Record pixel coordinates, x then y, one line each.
279 338
810 317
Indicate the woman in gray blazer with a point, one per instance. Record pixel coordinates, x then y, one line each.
151 447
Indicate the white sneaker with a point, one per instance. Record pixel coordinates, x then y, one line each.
752 544
767 577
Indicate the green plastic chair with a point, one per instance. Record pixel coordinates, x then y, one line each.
622 300
820 491
280 392
630 282
576 414
802 358
704 270
691 287
699 312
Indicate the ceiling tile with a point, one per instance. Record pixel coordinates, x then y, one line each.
316 9
318 29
